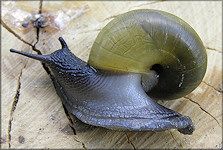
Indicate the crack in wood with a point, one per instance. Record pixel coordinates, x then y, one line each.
13 108
130 142
111 17
18 37
37 32
114 16
213 49
203 110
40 6
94 30
21 39
213 87
70 120
49 73
17 95
37 40
175 140
148 3
83 145
14 33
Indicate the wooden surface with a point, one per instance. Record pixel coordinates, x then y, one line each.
32 113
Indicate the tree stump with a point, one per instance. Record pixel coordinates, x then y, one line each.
32 112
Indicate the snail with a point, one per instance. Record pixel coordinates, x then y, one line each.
139 56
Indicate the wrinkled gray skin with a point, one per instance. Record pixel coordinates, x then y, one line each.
108 99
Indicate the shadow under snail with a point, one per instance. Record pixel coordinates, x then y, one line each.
139 55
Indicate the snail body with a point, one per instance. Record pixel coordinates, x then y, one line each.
139 54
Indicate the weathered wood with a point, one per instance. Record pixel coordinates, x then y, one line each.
38 120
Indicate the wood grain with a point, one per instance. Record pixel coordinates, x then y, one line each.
32 113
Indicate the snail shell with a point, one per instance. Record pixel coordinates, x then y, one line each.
139 54
141 40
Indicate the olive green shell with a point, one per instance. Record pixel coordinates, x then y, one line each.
140 39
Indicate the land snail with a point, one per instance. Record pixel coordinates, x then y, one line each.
139 56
